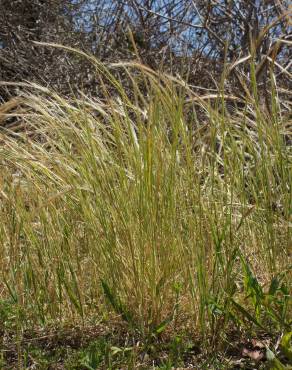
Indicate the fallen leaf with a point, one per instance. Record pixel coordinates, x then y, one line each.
257 344
255 355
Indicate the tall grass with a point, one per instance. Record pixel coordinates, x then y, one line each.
140 206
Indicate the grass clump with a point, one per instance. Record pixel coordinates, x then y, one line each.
156 205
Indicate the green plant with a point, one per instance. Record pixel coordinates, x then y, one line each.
136 202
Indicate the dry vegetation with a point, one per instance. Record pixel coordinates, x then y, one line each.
147 223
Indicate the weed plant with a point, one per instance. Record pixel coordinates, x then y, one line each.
157 205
